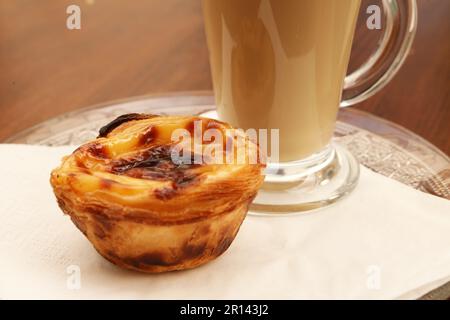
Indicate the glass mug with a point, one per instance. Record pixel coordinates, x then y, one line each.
281 64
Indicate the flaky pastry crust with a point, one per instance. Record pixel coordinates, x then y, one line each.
145 212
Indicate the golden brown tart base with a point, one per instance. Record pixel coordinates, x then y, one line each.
144 212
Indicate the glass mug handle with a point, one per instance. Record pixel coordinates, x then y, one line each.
384 63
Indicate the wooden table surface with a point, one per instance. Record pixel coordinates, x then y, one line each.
154 46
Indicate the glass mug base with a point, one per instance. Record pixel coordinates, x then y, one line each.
304 185
312 183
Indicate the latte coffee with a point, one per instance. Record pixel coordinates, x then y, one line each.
280 64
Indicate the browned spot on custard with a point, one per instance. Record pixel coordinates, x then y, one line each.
157 158
105 130
185 180
156 163
205 125
97 150
80 164
148 136
178 182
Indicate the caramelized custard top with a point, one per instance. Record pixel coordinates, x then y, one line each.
129 170
140 146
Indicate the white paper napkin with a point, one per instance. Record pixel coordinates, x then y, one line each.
382 241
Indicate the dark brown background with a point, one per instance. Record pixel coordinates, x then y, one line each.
148 46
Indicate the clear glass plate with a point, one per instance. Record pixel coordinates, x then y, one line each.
380 145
